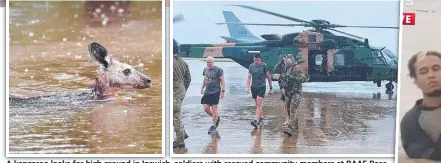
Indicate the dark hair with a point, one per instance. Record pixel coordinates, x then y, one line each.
415 57
256 55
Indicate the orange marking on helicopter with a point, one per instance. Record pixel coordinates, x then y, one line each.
213 51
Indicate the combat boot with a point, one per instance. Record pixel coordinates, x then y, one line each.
177 144
287 129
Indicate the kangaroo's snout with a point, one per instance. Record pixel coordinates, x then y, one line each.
147 82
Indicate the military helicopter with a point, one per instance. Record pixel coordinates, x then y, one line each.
326 57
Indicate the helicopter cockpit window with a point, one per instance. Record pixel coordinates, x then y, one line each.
387 58
388 55
312 38
339 59
377 57
318 59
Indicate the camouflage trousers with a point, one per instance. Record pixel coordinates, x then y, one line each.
292 100
177 122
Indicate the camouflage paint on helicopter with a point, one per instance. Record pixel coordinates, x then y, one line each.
326 57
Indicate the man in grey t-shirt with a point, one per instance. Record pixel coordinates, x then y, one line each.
214 84
421 126
257 73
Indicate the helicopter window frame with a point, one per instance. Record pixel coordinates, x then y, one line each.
339 59
317 56
378 57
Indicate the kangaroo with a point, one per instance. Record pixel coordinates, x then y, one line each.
112 75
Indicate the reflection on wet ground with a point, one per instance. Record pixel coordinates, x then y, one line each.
49 56
335 118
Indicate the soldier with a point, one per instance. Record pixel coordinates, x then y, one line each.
181 82
278 70
292 78
257 72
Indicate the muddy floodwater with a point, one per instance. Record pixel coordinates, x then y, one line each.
335 118
49 56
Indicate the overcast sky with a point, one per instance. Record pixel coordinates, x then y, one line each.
200 18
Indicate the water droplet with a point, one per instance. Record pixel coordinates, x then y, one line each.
68 53
64 39
75 15
98 10
84 38
32 77
141 64
112 8
120 10
26 70
31 34
104 23
154 9
47 69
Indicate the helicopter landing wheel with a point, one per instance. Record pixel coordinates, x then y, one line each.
389 86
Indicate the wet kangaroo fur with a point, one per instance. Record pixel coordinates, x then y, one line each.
112 75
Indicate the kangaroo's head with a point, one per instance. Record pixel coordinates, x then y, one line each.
114 74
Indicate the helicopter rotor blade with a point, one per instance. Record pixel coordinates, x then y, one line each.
272 13
347 33
340 26
178 18
263 24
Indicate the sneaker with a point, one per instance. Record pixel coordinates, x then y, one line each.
259 122
217 122
178 145
212 129
254 123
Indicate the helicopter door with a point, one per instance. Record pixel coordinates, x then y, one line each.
317 62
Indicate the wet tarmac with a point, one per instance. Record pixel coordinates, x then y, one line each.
335 118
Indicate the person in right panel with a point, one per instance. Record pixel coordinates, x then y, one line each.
421 126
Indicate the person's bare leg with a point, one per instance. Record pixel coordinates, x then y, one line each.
259 107
214 114
207 110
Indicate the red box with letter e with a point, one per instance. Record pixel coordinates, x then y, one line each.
409 18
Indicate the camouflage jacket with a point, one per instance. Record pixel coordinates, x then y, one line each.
292 78
279 67
181 76
278 70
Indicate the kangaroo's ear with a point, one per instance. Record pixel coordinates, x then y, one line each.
99 54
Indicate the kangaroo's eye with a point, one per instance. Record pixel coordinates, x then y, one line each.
126 72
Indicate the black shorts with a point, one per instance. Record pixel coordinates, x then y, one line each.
258 91
210 99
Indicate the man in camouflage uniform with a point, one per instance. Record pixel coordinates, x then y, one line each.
181 82
292 78
278 70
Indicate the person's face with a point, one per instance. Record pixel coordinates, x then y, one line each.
257 60
210 63
284 59
428 75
